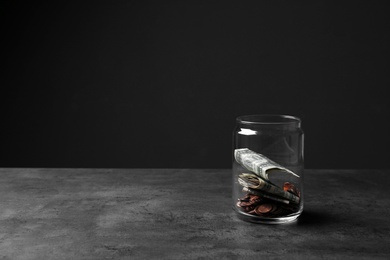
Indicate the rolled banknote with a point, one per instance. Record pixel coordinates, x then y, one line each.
252 181
257 163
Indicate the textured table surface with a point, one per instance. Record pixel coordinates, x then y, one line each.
185 214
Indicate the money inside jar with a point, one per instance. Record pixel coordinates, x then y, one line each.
263 197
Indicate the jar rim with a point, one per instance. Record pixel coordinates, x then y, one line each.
268 119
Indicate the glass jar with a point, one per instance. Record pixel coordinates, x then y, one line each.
268 168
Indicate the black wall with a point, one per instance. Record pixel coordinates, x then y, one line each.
159 83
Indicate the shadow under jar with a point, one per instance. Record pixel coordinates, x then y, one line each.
268 168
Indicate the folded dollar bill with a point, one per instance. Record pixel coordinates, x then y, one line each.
258 163
265 195
252 181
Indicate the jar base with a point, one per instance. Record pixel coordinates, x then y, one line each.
263 220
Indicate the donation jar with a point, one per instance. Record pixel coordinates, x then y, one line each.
268 168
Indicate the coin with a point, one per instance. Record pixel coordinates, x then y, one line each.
291 188
246 198
245 204
263 209
255 199
249 208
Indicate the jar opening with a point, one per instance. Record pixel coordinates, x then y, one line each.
269 120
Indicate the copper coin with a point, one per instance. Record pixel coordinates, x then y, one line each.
245 204
246 198
263 209
247 209
291 188
255 199
287 186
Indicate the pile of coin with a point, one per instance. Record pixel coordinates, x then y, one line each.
261 206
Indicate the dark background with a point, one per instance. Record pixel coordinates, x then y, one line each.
159 83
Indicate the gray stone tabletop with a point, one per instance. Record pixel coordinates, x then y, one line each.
185 214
